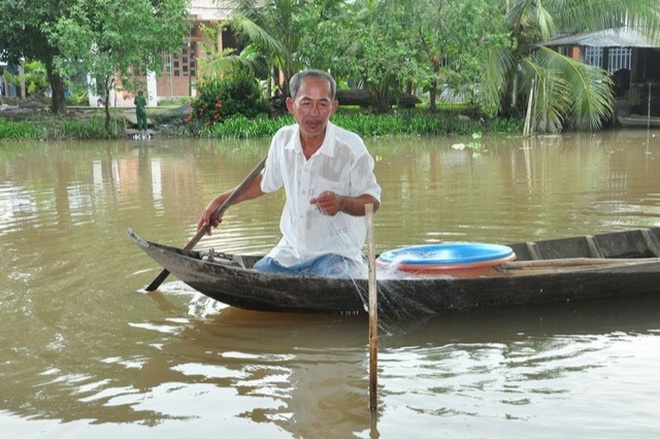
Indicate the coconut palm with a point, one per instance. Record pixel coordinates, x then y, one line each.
277 30
560 91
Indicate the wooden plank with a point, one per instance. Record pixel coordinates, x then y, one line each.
574 262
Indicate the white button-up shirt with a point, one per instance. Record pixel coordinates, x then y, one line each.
343 165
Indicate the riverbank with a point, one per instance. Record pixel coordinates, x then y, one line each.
36 122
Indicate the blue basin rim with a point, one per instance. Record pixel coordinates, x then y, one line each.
446 254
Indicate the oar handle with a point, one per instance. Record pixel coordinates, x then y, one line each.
217 214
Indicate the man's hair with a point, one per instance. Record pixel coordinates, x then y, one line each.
298 78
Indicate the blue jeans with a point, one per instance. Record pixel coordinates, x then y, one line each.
328 265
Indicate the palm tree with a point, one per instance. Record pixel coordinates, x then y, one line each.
270 28
559 91
277 29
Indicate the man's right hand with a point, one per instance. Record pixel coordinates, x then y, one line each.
208 213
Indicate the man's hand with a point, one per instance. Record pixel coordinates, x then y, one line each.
329 202
208 213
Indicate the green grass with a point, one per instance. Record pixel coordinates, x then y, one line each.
10 130
418 122
370 125
93 128
56 128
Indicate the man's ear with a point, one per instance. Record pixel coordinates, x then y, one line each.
289 105
335 104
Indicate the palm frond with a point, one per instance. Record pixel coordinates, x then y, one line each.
501 67
530 14
248 30
586 15
590 89
225 64
550 92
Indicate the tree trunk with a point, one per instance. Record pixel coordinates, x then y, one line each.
58 103
107 85
106 104
433 87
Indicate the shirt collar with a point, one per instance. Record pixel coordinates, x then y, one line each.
327 147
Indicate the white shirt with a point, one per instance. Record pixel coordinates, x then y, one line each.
343 165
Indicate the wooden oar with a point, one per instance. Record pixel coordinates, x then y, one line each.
573 262
218 213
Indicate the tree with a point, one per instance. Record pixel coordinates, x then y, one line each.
556 90
277 29
455 38
270 27
367 43
24 37
389 46
35 78
120 37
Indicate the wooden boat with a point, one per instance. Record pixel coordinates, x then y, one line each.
580 268
638 121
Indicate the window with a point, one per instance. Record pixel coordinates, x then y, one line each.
619 58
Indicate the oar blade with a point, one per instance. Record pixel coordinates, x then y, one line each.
153 286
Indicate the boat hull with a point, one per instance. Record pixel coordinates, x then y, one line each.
625 263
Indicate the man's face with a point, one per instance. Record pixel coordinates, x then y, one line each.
312 106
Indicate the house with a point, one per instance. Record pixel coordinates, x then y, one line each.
632 59
181 67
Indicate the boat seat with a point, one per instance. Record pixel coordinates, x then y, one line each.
651 242
533 250
594 249
641 243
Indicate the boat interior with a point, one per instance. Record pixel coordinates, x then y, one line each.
639 243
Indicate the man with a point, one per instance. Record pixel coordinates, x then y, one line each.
141 112
327 175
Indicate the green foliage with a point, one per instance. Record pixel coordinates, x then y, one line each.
93 128
371 125
56 128
418 123
174 101
36 80
233 95
372 45
275 31
24 35
121 37
564 93
79 98
20 130
240 127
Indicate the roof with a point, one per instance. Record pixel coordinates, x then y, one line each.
623 37
209 10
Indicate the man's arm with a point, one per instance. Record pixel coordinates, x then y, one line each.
332 203
252 191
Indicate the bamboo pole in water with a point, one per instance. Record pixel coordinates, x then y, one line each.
373 310
648 110
527 129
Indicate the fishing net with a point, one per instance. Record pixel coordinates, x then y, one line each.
396 310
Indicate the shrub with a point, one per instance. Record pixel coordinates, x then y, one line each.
93 128
20 130
233 95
